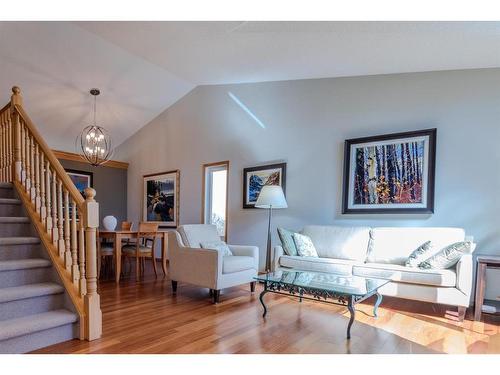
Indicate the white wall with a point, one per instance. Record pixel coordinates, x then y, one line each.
306 123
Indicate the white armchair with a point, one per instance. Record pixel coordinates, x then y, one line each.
208 268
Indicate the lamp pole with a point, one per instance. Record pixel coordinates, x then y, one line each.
268 253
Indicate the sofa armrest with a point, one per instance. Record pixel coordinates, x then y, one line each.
278 252
247 251
464 274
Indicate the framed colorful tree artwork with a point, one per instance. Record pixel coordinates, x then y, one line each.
391 173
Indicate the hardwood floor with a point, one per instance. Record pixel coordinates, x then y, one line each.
146 318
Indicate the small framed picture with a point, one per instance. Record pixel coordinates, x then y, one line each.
391 173
161 198
255 178
81 179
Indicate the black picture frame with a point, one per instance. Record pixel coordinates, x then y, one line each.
76 172
427 164
248 202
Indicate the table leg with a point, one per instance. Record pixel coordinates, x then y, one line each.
377 304
118 257
164 254
261 298
480 285
352 311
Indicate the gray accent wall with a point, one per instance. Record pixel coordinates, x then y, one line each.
305 124
110 185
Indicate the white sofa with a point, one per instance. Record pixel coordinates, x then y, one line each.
381 253
208 268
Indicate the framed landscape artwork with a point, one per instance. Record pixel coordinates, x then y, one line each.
81 179
161 198
391 173
255 178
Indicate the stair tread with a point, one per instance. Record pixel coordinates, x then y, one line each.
6 185
21 264
16 293
24 240
14 219
34 323
10 201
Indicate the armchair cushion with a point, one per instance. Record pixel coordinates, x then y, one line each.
217 245
194 234
231 264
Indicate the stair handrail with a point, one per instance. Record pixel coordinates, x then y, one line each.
66 221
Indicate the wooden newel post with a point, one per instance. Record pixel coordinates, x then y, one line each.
16 134
93 325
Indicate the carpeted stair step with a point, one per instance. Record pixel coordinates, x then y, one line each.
24 271
12 248
15 226
30 299
31 332
10 207
6 190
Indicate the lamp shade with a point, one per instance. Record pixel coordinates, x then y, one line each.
271 196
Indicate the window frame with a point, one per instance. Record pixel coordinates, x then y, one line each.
204 193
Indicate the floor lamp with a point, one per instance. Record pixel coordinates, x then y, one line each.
271 196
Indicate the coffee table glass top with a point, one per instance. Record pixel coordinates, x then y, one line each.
336 283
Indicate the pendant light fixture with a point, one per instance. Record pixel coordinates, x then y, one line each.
94 142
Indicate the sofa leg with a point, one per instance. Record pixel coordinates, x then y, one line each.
216 295
252 286
174 287
461 313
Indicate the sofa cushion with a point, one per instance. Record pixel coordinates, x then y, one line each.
339 242
394 245
394 272
305 246
194 234
447 257
286 238
233 263
341 266
420 254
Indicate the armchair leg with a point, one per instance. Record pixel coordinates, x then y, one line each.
211 292
461 313
174 287
216 296
252 286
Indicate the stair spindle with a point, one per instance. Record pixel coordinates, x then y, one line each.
75 273
38 201
81 257
67 255
48 220
32 169
60 221
2 142
55 233
43 207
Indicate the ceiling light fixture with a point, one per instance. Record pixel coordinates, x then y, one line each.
94 140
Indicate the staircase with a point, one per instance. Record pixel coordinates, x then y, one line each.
34 308
48 273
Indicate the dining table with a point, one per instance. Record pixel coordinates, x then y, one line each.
118 235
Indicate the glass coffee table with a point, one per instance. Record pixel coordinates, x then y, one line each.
332 288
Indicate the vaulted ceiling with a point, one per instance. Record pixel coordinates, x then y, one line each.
142 68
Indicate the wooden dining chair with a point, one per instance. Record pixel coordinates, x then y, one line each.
141 250
105 252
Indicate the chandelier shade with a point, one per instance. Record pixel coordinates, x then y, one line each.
94 142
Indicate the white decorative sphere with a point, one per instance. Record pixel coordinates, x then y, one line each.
109 222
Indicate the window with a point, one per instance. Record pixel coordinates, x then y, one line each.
215 183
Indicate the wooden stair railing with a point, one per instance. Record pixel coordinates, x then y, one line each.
65 221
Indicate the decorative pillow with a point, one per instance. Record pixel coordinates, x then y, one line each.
220 246
305 246
420 254
447 257
286 238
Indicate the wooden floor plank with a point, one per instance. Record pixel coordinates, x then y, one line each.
145 317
